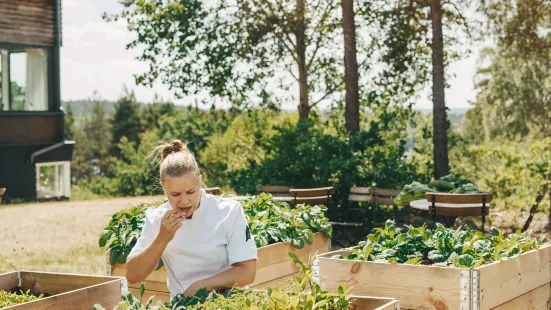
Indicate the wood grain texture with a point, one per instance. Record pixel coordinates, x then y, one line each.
459 198
9 280
374 303
534 300
417 287
70 291
507 279
28 22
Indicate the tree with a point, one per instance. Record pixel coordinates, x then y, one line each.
416 29
125 121
69 124
91 153
153 112
514 98
239 50
352 113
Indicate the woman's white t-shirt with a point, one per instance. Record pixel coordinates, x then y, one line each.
215 238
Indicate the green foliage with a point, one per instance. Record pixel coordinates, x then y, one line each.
292 296
69 124
271 221
239 146
8 299
125 122
515 171
90 154
514 88
465 248
446 184
307 155
122 233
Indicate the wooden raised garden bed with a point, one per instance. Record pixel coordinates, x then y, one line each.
374 303
520 282
64 291
273 263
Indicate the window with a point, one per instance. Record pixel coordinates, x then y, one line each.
53 179
24 80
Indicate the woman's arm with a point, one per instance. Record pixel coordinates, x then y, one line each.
240 274
141 265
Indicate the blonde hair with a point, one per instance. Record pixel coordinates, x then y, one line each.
177 159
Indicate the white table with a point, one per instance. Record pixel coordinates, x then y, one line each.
423 204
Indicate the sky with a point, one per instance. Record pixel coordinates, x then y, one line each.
94 57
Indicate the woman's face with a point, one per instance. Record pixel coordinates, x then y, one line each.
183 192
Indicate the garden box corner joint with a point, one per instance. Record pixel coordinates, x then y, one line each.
35 157
519 282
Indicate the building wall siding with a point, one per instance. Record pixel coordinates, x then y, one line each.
31 22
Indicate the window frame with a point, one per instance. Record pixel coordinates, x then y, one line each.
63 190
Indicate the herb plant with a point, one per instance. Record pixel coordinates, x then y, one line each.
465 248
8 299
270 222
292 296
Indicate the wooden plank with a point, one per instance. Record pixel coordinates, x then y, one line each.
273 189
386 192
384 201
57 283
373 303
458 211
311 192
534 300
417 287
9 280
360 198
361 190
507 279
155 281
459 198
107 294
274 262
309 200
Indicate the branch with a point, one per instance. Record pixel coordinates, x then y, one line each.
318 42
332 90
278 35
462 18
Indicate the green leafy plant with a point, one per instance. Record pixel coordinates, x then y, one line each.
271 221
8 299
293 295
123 231
465 248
447 184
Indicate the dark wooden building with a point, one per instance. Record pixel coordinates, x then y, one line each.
34 155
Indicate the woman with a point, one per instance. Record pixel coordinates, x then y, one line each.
204 240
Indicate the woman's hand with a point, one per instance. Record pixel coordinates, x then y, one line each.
193 288
171 222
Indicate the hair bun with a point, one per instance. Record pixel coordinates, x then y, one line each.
173 146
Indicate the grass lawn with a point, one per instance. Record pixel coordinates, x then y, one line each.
58 236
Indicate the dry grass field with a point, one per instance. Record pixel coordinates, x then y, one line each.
58 236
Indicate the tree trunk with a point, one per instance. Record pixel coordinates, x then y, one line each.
300 34
440 123
352 110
